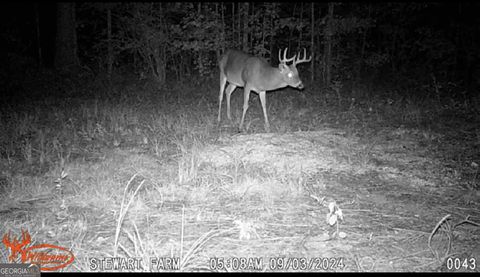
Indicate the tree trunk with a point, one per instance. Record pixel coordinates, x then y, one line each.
250 36
291 29
245 26
162 53
300 36
458 32
37 33
263 36
272 28
66 57
109 42
328 45
312 64
362 50
233 24
223 27
392 50
239 29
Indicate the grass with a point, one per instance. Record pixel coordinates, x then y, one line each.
71 163
51 129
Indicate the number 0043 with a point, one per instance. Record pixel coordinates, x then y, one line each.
457 263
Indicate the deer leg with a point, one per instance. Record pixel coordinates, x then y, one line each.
228 92
246 96
263 101
223 81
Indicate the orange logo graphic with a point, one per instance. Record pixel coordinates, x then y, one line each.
48 257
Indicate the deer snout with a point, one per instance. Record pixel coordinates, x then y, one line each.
300 85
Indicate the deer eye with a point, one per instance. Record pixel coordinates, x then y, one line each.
290 74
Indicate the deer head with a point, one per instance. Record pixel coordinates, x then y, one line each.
290 72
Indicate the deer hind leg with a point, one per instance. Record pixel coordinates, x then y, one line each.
228 92
263 101
223 81
246 97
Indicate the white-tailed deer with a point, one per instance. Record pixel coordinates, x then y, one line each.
253 73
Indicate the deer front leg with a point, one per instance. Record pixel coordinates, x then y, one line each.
246 97
263 101
223 81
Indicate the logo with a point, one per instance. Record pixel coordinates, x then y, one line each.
47 256
19 270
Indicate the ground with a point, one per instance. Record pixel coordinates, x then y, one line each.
309 196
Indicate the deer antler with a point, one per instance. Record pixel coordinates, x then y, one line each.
285 60
304 59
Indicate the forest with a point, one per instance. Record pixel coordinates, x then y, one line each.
393 43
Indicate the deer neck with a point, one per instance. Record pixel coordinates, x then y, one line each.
275 79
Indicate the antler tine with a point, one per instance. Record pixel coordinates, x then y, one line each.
285 59
291 59
304 59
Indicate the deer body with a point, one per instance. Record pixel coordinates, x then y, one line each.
254 74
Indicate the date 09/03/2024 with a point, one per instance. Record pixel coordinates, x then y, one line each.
276 263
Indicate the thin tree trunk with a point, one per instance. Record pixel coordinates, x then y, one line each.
301 23
233 24
239 22
312 64
217 20
392 51
252 8
163 53
109 42
37 32
457 69
245 26
66 57
223 27
200 52
271 35
291 29
263 35
219 23
328 45
364 43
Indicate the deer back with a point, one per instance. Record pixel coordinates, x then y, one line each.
241 69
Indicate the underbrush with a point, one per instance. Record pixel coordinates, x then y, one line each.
72 121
